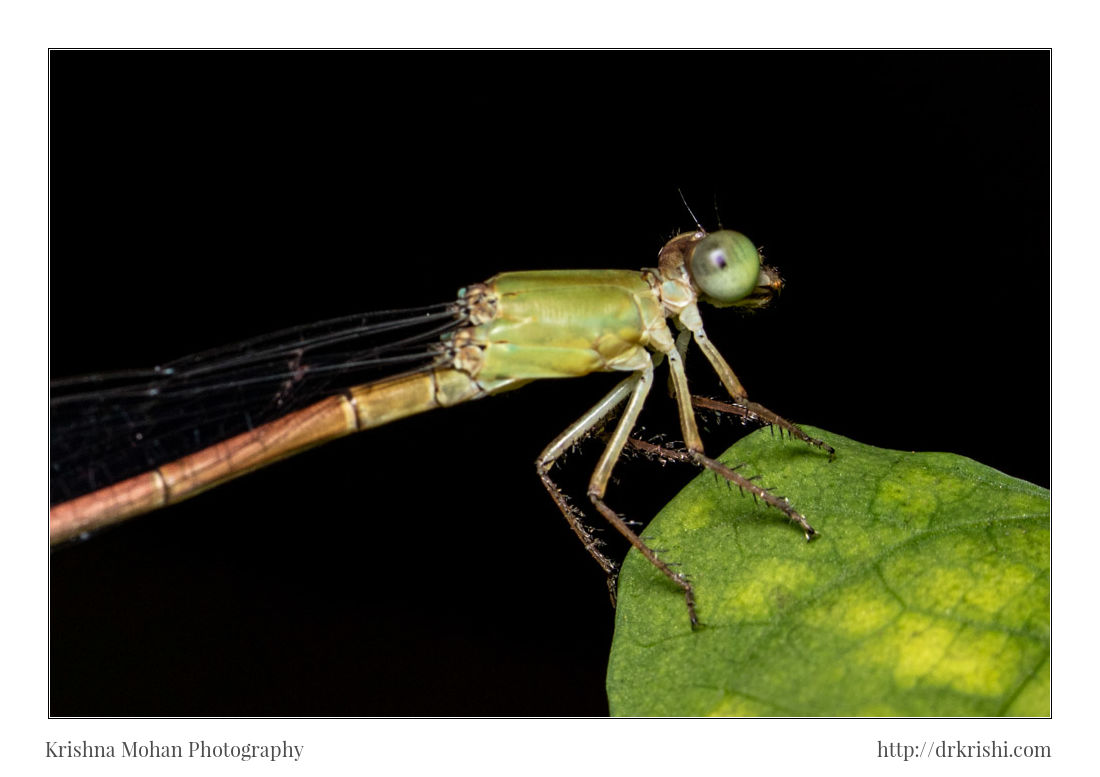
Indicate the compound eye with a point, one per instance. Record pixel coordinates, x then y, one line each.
725 266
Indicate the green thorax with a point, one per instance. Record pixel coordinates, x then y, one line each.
561 323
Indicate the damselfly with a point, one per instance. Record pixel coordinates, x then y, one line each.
496 337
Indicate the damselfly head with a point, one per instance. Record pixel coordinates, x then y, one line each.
725 267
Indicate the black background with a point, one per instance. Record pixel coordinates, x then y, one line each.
420 569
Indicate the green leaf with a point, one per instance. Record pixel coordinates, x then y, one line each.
926 593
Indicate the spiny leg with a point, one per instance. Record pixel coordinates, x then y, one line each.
754 411
730 474
562 443
597 486
692 443
742 406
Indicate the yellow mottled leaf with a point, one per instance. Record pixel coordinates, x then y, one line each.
926 593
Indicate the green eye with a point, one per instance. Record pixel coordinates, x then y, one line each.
725 265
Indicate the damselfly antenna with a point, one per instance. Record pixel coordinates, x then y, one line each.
683 199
